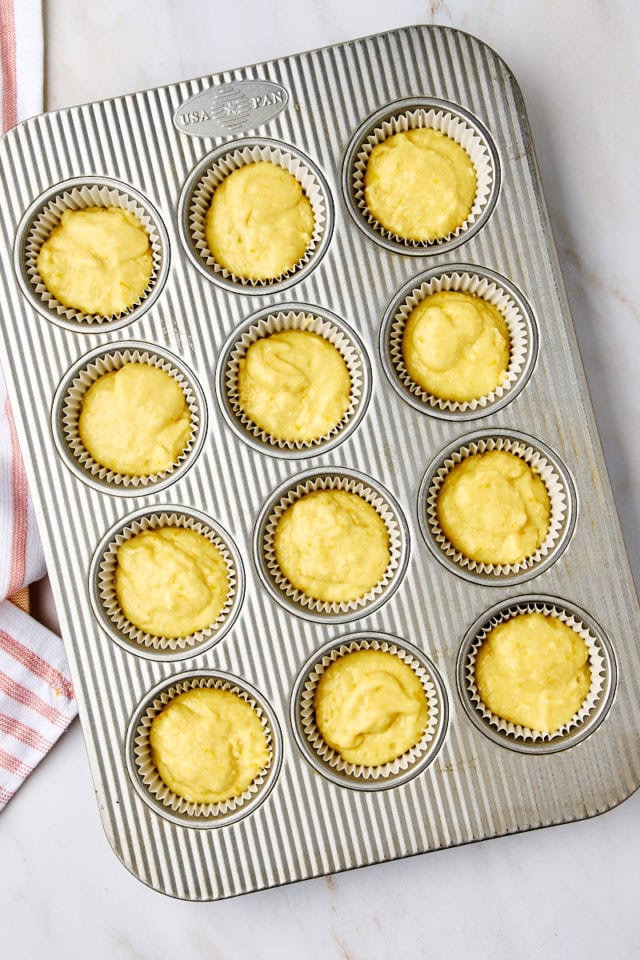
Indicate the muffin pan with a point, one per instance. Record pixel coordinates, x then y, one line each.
474 778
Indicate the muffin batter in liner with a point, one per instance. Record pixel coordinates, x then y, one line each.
452 125
315 321
80 197
199 197
149 777
106 599
412 757
521 340
597 667
389 513
559 496
107 360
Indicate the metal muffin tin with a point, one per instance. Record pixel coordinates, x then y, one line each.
474 788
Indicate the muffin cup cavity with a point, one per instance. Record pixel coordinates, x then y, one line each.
489 286
44 216
147 780
67 406
296 316
105 601
551 471
327 760
413 114
293 599
596 704
197 195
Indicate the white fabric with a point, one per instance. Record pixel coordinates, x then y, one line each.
36 696
29 56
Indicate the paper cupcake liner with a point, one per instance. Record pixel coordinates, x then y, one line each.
312 320
521 337
150 779
92 193
556 485
199 196
329 757
108 606
373 495
453 125
597 666
106 360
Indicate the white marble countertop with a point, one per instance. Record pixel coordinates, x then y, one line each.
567 892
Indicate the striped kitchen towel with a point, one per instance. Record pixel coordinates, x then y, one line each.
36 696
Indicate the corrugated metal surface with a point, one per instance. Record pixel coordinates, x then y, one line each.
475 789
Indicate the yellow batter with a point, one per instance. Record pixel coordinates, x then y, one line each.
97 260
456 346
420 184
493 508
208 745
534 670
332 545
171 582
135 420
260 222
371 707
294 384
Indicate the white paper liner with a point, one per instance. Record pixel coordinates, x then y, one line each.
106 583
295 320
202 195
452 126
149 775
331 757
492 292
372 497
558 496
72 404
597 667
79 198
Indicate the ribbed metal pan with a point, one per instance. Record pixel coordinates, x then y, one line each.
475 788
